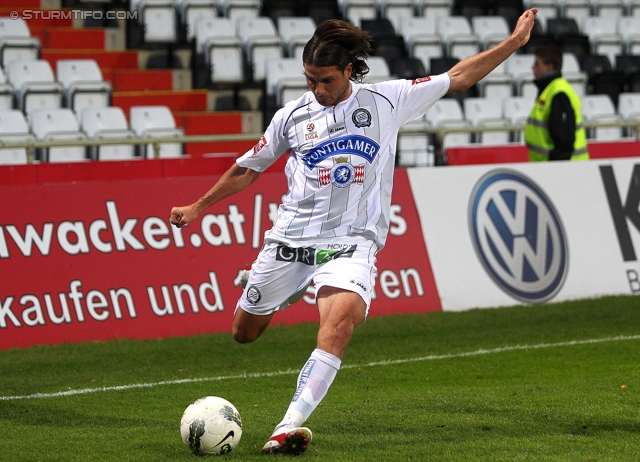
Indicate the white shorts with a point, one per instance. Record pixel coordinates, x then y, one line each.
282 270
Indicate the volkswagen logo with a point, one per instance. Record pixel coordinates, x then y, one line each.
518 236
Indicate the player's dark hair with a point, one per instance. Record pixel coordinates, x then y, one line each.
550 54
338 43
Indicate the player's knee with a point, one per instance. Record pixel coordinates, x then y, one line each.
244 336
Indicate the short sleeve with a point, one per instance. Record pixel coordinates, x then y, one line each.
416 96
269 148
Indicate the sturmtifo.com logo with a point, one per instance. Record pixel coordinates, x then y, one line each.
518 236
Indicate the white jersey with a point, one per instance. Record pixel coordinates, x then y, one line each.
342 158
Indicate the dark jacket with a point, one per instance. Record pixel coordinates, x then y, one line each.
562 120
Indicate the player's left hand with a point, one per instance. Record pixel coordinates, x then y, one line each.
524 25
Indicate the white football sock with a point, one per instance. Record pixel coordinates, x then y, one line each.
314 380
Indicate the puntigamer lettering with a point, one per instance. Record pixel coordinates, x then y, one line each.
350 144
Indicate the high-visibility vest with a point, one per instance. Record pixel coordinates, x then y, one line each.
536 133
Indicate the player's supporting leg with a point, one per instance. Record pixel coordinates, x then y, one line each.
248 327
340 312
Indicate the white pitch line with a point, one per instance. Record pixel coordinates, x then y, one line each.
257 375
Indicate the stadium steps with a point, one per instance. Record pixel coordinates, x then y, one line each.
126 80
212 123
176 100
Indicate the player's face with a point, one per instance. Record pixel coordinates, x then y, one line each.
329 84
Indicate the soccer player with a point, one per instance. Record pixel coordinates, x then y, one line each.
341 136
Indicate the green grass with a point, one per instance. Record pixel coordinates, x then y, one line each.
575 401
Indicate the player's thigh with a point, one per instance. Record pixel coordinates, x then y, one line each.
272 281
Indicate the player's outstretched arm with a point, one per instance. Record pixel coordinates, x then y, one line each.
234 180
469 71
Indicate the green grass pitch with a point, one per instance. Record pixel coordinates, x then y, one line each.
556 382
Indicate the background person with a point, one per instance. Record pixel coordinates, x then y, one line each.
554 128
334 219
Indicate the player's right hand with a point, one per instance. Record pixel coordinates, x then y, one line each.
182 216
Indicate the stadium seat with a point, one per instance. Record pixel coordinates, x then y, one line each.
600 108
219 53
459 40
472 8
285 81
236 9
296 32
547 9
415 149
484 112
83 84
519 66
158 19
434 8
628 63
628 29
276 9
34 85
516 109
447 113
608 8
16 42
261 43
498 84
576 9
13 129
54 125
510 10
490 29
357 10
629 109
191 11
385 41
6 92
560 26
395 10
421 39
107 123
572 72
156 122
378 70
321 10
407 68
603 36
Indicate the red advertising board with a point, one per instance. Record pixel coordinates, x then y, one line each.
97 260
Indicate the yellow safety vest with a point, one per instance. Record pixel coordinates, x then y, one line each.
536 133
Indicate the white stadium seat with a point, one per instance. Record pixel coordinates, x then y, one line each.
156 122
13 129
103 123
34 85
83 83
54 125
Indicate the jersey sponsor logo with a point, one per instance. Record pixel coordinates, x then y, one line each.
310 132
420 80
342 174
361 118
310 256
518 236
261 144
357 145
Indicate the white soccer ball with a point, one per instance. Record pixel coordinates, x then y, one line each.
211 425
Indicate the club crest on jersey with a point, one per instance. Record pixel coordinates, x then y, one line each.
361 118
355 145
310 132
342 174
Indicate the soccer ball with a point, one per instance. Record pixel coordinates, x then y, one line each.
211 425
